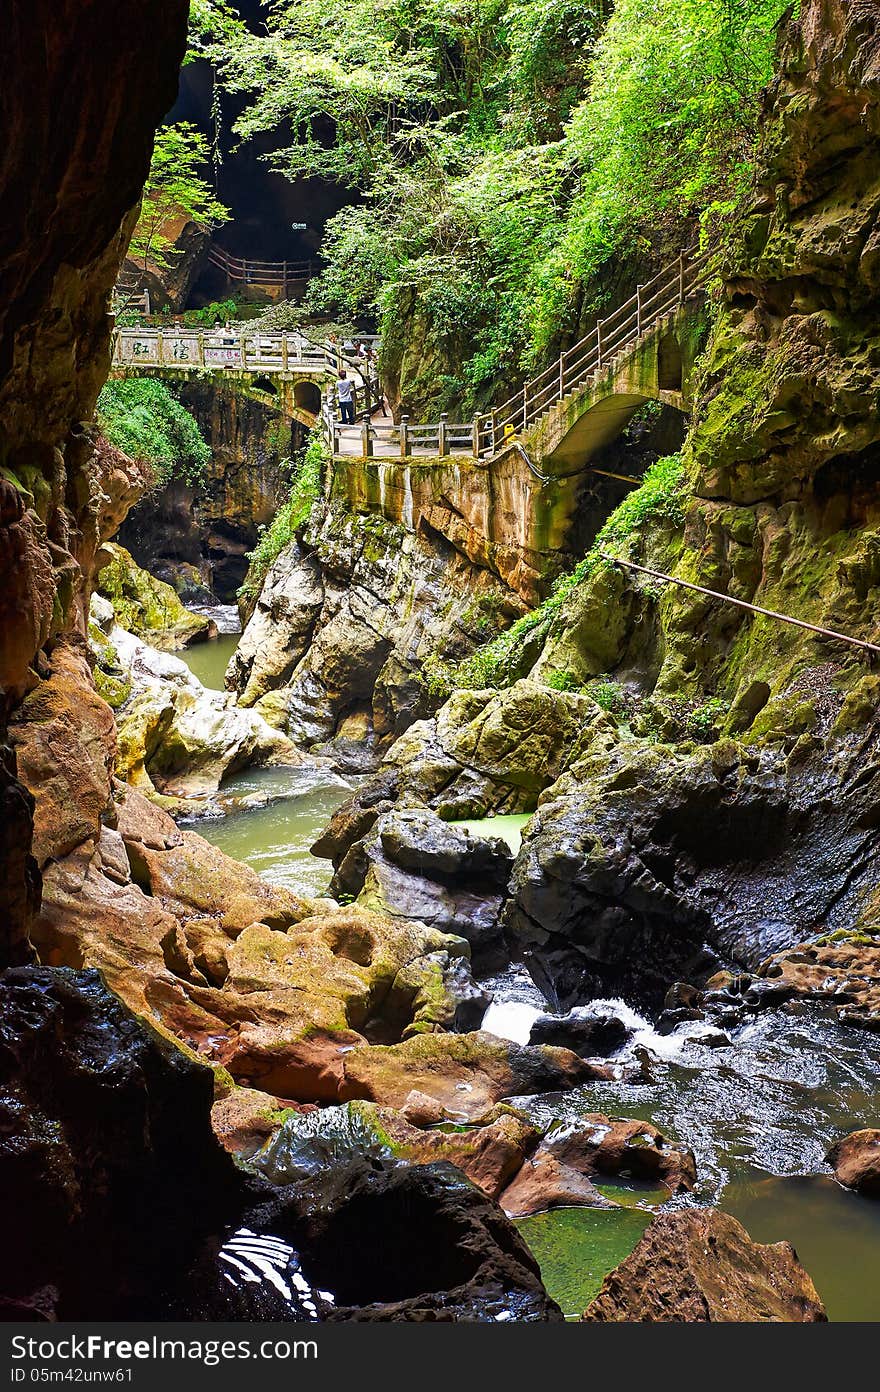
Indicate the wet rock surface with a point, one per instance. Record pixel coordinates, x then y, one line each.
702 1267
856 1161
448 1254
173 736
570 1160
348 616
588 1030
640 855
466 1073
410 864
107 1146
145 606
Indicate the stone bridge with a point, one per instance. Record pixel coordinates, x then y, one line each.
286 370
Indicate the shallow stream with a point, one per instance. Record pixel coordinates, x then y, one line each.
759 1114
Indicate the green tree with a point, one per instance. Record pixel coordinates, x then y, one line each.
175 186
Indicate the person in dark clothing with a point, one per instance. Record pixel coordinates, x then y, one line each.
345 397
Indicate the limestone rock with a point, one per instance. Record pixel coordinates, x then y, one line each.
545 1182
843 971
65 738
348 616
277 635
99 1110
413 865
448 1253
491 751
466 1073
564 1168
856 1161
145 606
174 736
641 854
701 1266
586 1029
489 1154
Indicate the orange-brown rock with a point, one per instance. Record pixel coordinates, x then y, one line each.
621 1147
466 1073
569 1160
701 1266
65 741
76 178
243 1119
844 971
544 1182
490 1154
856 1161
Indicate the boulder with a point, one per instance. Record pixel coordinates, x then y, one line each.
369 1239
842 971
564 1168
145 606
410 864
106 1150
489 1154
174 736
491 751
640 855
466 1073
586 1029
856 1161
544 1182
243 1119
701 1266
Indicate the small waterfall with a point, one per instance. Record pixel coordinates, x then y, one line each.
408 514
380 470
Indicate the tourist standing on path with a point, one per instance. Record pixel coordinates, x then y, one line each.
345 397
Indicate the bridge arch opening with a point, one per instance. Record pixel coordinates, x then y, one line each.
265 384
670 367
307 396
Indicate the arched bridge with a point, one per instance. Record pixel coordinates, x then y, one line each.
287 370
564 415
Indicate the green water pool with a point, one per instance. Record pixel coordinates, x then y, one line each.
508 827
208 661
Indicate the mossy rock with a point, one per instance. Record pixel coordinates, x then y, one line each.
145 606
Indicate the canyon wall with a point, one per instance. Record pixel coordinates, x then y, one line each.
78 108
716 799
191 534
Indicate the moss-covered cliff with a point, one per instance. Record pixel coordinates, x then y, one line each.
727 794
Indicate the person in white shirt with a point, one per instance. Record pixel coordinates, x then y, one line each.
345 397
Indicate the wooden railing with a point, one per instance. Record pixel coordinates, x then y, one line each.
576 368
219 350
195 348
259 272
581 364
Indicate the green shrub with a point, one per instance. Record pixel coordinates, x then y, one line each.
660 497
609 696
141 417
563 681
